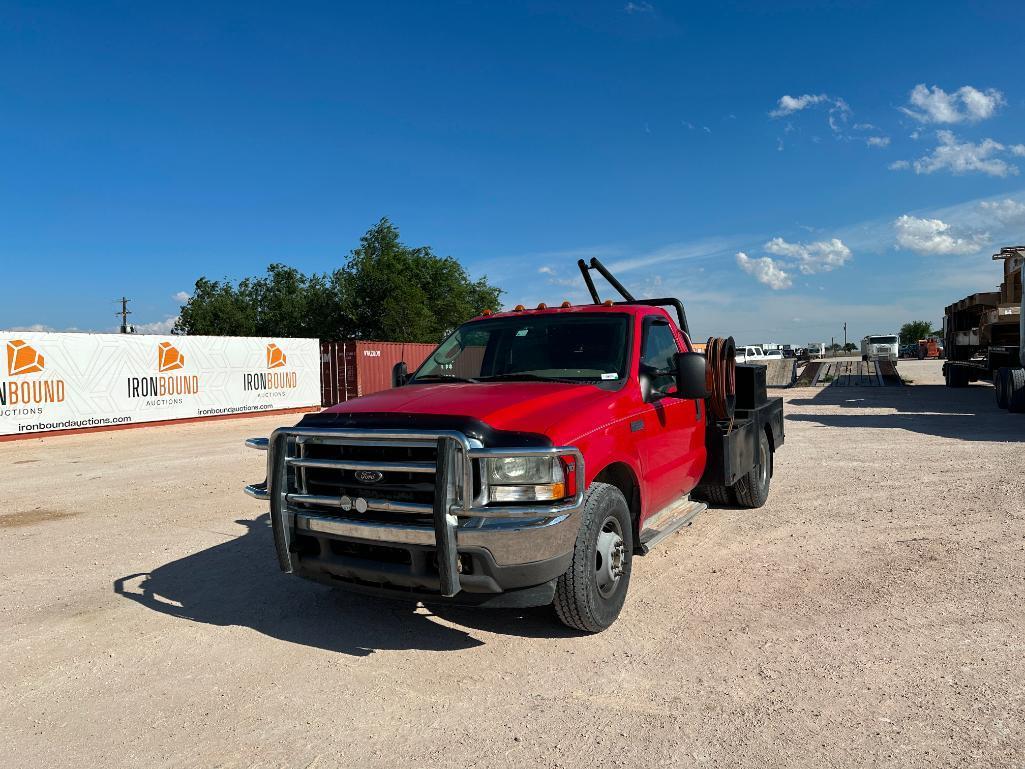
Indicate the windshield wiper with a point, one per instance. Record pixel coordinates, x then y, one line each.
445 378
525 377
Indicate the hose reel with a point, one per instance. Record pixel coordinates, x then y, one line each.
721 377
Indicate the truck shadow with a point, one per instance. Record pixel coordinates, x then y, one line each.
968 414
238 583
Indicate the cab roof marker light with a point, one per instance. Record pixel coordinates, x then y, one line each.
542 306
518 308
565 304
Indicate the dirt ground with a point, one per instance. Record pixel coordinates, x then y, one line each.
871 614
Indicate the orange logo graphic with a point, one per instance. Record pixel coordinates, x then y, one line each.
168 357
22 358
276 357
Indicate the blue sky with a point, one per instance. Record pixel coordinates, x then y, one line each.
864 159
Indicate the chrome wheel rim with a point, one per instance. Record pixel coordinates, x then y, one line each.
609 557
763 463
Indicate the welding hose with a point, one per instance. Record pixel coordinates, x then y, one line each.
721 377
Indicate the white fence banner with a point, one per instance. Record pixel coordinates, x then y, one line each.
71 381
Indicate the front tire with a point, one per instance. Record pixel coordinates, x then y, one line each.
590 595
1001 384
1016 391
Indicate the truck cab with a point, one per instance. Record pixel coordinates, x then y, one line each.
880 347
526 462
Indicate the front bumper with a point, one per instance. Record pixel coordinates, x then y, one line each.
473 550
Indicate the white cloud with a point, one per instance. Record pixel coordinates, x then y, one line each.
838 109
546 270
705 248
788 104
640 7
182 296
1018 150
820 256
878 141
935 237
966 104
963 157
764 270
33 327
162 327
1004 211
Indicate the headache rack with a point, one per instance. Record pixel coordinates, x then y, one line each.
420 488
628 298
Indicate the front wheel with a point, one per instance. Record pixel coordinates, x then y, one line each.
590 595
1001 384
1016 390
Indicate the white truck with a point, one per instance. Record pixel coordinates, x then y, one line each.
754 354
816 350
880 347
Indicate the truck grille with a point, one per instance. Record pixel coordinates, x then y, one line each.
407 479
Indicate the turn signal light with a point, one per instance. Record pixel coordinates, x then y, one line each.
547 492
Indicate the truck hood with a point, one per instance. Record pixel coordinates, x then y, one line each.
530 407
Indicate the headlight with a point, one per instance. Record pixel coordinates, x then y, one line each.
525 479
507 470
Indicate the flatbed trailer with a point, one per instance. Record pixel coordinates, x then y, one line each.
983 337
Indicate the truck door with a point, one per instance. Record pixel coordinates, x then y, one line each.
670 442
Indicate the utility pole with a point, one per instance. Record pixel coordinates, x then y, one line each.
125 312
845 336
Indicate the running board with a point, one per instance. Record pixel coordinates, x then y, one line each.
667 521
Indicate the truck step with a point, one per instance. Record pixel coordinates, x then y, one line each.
667 521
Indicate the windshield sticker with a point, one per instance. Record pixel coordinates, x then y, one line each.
613 375
522 332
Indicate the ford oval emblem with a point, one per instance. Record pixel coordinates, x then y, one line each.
368 476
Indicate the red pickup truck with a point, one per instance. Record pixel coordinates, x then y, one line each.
526 462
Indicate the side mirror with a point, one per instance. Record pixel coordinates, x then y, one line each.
399 374
690 375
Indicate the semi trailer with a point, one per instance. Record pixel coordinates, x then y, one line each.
983 336
527 461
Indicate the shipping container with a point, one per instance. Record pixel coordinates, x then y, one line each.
351 369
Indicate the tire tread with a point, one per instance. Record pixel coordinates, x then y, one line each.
572 592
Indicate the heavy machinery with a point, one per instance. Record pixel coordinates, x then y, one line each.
983 336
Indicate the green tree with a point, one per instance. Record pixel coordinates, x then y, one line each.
914 330
850 347
386 291
398 292
218 308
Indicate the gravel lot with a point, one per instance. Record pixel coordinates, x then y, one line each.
871 614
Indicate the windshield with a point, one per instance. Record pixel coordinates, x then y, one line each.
571 348
882 340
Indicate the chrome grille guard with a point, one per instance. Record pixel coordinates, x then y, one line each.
454 496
